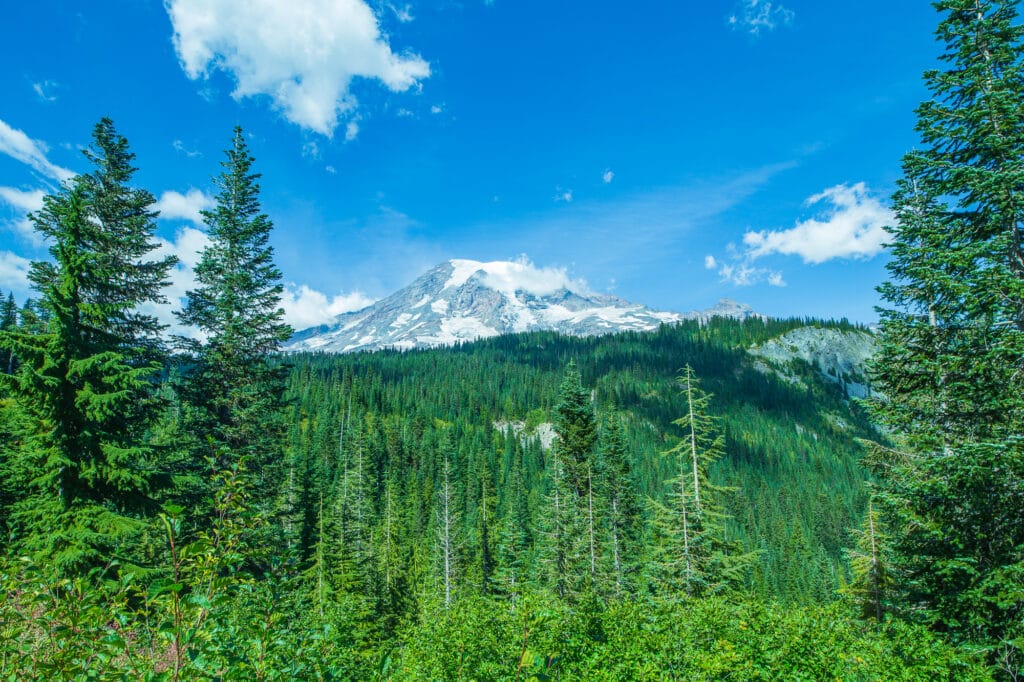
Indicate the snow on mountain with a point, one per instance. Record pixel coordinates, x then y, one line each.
462 300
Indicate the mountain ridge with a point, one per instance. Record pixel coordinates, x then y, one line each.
462 300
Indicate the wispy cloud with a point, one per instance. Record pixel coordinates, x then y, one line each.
351 130
302 54
21 147
607 176
22 202
13 272
403 13
177 206
45 90
757 16
563 195
850 226
180 147
305 307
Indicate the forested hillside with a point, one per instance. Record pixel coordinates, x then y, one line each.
791 457
646 505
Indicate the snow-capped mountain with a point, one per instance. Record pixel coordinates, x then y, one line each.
463 300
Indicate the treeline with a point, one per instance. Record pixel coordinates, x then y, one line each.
526 507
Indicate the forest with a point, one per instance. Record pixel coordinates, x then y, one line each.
641 505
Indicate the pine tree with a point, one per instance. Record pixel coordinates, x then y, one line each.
237 390
567 531
447 534
624 516
89 364
952 343
872 576
576 428
8 323
514 539
693 557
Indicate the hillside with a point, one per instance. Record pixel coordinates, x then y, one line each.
790 446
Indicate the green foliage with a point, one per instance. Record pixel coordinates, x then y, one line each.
235 393
708 639
85 389
952 342
692 555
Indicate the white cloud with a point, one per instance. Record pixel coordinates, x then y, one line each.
522 275
305 307
177 206
608 176
21 147
44 90
13 272
755 16
180 147
303 54
311 150
331 169
436 109
23 202
351 131
743 274
853 226
563 195
403 14
187 245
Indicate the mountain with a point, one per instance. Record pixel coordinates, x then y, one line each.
840 355
463 300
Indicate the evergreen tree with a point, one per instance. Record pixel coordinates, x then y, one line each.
872 576
8 323
576 428
624 516
447 535
568 535
693 555
87 383
514 539
952 343
237 390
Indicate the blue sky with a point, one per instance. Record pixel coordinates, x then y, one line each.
669 152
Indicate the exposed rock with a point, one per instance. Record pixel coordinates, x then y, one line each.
841 356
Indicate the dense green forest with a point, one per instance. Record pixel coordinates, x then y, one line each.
650 505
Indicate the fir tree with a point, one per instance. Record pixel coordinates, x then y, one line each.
568 535
952 343
693 555
237 390
872 576
576 428
87 384
8 323
624 516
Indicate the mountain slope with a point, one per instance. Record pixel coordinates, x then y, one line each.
463 300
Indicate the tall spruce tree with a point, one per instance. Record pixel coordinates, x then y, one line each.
237 391
87 381
622 510
566 528
693 556
952 342
8 323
